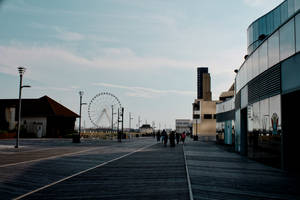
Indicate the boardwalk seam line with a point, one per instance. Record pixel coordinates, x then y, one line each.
81 172
188 175
48 158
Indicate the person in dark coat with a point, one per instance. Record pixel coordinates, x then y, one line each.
165 138
172 139
183 136
158 136
163 134
177 137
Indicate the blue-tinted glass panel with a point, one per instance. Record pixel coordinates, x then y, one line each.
262 27
270 23
290 70
273 49
297 5
255 31
263 57
248 66
276 14
237 82
251 34
297 21
255 64
287 40
244 97
291 7
250 49
284 11
237 130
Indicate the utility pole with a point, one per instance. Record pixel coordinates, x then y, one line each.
139 122
122 122
77 140
21 72
118 120
120 134
130 118
112 117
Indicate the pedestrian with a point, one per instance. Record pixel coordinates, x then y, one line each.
172 139
158 136
177 137
183 135
163 134
165 139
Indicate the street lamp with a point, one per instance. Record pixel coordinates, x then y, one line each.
21 72
79 131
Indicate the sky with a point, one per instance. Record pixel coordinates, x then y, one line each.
144 52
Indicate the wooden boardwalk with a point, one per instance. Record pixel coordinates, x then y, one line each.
140 169
217 174
155 173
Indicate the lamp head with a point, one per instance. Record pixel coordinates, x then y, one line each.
80 93
21 70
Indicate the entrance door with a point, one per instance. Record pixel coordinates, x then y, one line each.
290 131
244 132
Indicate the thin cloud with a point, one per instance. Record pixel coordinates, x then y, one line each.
136 91
52 88
68 35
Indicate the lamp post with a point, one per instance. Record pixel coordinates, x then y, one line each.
21 72
130 118
79 128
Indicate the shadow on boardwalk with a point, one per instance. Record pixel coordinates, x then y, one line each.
217 174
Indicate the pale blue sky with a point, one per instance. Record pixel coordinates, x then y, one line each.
144 52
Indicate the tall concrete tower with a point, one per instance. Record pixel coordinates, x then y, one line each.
203 84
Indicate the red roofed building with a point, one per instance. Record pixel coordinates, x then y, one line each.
43 117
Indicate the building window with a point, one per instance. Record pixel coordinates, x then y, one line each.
196 106
207 116
273 49
297 18
287 40
196 117
284 11
263 57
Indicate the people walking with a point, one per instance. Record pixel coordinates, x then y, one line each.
165 138
172 139
183 136
177 137
158 136
163 134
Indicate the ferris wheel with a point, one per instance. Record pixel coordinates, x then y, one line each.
102 108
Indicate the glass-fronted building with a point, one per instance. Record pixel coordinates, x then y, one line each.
267 89
225 122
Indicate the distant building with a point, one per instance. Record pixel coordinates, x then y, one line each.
183 125
204 109
204 118
203 84
43 117
227 94
225 114
146 129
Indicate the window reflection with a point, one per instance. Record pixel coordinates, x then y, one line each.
273 49
287 40
297 25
